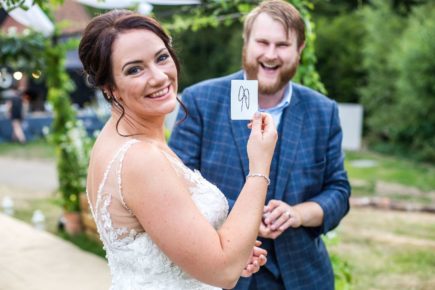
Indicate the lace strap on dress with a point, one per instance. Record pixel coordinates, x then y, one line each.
118 175
176 164
192 176
121 152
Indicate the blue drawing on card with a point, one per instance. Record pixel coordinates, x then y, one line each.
243 98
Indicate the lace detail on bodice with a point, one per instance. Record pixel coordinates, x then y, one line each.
135 261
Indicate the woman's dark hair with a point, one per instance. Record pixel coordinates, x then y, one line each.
95 49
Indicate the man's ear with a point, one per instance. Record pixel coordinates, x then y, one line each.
301 48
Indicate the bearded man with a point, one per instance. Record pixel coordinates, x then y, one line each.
309 190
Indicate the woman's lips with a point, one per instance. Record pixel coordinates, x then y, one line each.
159 94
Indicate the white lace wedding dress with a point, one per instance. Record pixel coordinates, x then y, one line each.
135 261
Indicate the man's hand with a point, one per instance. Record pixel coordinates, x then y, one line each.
257 259
278 216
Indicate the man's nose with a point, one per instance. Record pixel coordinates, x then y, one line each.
270 52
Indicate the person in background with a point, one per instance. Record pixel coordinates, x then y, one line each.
309 191
15 109
163 225
36 102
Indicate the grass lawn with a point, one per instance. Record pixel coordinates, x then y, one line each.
398 179
38 149
384 249
391 169
50 207
387 249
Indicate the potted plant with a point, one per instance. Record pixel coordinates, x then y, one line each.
72 159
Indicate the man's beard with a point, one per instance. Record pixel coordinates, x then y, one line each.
285 75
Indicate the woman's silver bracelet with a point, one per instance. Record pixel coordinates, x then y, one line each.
259 175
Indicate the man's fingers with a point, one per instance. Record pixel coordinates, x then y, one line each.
287 224
279 222
273 216
273 203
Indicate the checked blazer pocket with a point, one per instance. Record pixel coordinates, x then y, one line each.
306 180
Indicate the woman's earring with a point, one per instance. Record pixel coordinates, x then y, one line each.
109 97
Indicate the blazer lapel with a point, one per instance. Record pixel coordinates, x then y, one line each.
291 122
241 135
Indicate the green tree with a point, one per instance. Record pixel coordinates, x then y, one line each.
208 53
413 125
379 94
398 96
338 46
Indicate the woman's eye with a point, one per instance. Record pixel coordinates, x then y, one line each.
162 57
133 70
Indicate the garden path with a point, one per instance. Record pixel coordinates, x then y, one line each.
27 178
34 259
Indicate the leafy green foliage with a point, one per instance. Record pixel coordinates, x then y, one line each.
338 46
228 15
307 73
334 8
208 53
378 96
398 97
414 108
68 135
24 52
85 243
44 4
342 270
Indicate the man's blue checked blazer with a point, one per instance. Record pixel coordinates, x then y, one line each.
308 166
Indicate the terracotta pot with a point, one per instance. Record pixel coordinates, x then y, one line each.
84 205
73 223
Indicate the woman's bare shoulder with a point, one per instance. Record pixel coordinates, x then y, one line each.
144 166
142 155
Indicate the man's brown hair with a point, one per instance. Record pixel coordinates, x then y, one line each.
281 11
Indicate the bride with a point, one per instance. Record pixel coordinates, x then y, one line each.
163 226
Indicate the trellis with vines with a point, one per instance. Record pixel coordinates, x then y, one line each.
34 54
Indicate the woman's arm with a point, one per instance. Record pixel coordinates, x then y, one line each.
164 207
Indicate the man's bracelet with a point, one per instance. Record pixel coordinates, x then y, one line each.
259 175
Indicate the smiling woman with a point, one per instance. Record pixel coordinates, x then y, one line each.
145 79
154 215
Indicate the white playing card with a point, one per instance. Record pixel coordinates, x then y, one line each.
244 99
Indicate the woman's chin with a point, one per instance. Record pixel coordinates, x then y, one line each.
170 106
